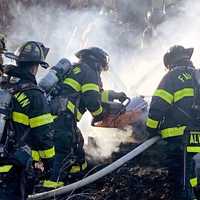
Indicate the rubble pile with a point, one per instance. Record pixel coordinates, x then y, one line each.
143 178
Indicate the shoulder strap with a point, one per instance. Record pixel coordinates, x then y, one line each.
23 87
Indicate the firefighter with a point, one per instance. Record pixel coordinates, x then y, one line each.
82 88
171 114
27 134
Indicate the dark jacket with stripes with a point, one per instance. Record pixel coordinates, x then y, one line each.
82 86
171 106
31 113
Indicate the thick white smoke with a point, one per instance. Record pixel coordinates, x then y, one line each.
183 29
136 71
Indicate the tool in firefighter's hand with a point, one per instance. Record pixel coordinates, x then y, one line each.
112 111
123 115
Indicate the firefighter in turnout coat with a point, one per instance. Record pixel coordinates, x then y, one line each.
27 134
172 115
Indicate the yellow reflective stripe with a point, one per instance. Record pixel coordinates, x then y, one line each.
172 132
152 123
52 184
73 83
84 165
54 117
79 116
89 86
35 155
5 168
193 182
20 118
71 107
41 120
49 153
193 149
105 96
186 92
75 169
163 94
78 168
97 112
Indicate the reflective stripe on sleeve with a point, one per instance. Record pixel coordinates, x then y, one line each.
90 87
5 168
151 123
49 153
41 120
97 112
35 155
20 118
163 94
105 96
73 83
79 116
180 94
172 132
71 107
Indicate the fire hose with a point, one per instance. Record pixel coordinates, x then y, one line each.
103 172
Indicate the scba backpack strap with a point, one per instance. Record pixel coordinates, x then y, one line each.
196 99
5 116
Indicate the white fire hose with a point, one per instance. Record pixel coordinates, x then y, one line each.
110 168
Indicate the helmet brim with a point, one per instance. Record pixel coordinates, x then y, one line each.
188 53
16 58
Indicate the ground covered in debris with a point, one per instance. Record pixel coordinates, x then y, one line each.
143 178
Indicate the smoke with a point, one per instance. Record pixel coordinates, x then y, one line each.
133 70
181 29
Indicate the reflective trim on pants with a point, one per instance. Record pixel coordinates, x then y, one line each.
193 182
52 184
78 168
5 168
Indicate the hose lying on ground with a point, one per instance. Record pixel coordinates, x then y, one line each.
110 168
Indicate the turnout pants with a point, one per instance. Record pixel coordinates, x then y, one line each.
181 165
70 155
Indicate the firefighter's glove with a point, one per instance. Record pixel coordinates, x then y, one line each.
100 117
121 96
